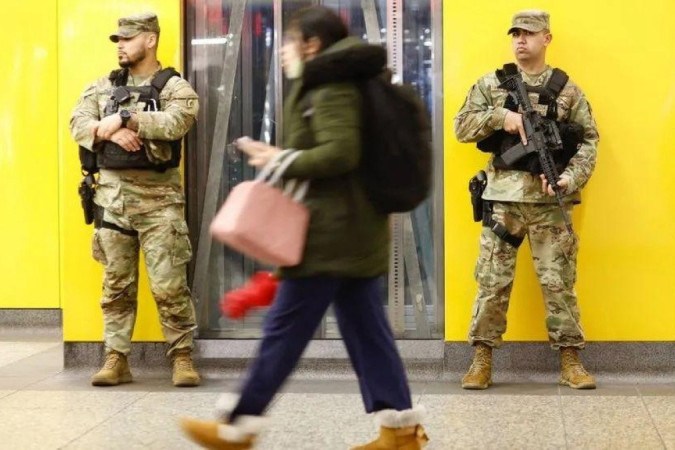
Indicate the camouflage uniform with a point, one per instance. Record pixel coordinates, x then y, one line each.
149 202
524 210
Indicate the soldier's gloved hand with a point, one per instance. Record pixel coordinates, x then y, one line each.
513 124
108 125
563 182
127 139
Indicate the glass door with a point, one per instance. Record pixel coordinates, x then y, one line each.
232 61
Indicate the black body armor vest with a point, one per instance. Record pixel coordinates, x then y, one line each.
111 155
572 134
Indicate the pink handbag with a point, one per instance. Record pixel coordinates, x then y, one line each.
262 221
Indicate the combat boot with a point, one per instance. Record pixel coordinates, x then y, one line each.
399 430
222 436
572 372
479 375
184 373
115 371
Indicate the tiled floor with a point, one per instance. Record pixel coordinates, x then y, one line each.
43 407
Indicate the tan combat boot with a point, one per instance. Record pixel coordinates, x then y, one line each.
184 373
399 430
572 371
221 436
479 375
115 371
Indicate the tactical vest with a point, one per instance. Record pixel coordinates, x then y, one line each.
111 155
571 133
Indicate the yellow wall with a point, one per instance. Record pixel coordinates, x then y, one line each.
85 53
623 57
28 158
622 54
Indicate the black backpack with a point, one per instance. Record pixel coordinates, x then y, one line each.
396 153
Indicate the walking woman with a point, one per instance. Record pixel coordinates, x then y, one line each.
347 249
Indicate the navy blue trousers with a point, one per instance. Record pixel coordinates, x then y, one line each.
296 313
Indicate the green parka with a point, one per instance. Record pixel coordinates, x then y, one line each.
347 237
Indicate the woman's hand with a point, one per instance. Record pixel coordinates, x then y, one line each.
258 152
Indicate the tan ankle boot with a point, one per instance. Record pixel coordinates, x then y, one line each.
572 372
479 375
399 430
115 371
184 373
221 436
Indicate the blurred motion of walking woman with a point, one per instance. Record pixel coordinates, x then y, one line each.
347 248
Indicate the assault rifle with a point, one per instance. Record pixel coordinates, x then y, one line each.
542 137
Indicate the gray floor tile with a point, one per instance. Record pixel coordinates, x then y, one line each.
69 400
608 422
318 386
21 382
318 421
50 420
149 423
11 352
664 389
494 422
662 412
603 390
5 392
47 428
520 387
143 382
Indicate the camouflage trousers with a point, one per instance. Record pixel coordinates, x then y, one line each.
554 253
163 237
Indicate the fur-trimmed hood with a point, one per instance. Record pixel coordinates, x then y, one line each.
347 60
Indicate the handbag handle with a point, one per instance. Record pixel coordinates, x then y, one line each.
272 164
277 172
301 190
275 169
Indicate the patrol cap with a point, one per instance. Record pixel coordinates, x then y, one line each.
533 20
134 25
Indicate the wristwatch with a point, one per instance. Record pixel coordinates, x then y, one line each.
125 115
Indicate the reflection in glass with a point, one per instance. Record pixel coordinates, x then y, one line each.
253 111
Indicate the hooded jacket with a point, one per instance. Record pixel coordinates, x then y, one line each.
347 237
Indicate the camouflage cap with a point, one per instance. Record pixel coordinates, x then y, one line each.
533 20
134 25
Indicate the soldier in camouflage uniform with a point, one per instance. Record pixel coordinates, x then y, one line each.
143 201
524 205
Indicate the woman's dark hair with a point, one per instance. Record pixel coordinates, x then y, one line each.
320 22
